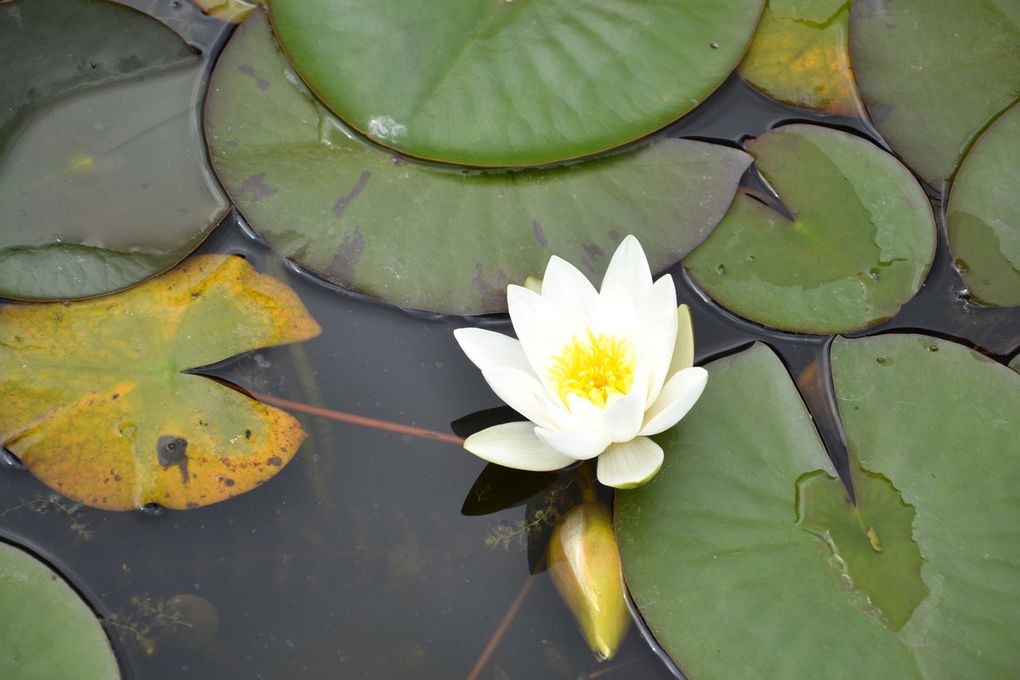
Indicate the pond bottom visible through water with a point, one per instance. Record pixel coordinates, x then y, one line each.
355 561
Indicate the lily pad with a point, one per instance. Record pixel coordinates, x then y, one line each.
46 629
746 560
933 73
231 11
435 240
983 215
800 56
492 83
859 246
98 406
103 176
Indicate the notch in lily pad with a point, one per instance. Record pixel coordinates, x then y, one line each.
859 246
99 403
744 552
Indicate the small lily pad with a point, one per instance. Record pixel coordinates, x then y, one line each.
103 177
96 403
859 246
46 629
746 557
492 83
933 73
433 240
983 215
800 57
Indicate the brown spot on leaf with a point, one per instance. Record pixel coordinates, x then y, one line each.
249 70
344 201
275 461
341 269
257 187
593 255
247 434
539 234
491 288
172 451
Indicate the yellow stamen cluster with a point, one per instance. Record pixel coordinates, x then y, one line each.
593 367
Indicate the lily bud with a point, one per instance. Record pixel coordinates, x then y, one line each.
584 563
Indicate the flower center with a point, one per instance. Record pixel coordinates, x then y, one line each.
593 367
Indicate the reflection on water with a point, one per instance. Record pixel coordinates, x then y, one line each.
119 166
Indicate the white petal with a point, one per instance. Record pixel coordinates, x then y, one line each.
677 398
658 343
628 274
683 350
658 302
629 464
567 287
624 413
585 414
488 349
578 444
515 445
542 327
523 393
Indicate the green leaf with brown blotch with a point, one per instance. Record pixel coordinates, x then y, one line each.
441 241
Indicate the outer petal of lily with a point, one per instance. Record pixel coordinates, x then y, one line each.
683 350
522 392
628 275
578 444
515 445
488 349
565 286
630 464
676 399
658 345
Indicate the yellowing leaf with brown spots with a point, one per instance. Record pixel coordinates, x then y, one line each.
95 402
802 62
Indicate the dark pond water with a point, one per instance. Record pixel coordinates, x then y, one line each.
355 561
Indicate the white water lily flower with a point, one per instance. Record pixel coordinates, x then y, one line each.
595 372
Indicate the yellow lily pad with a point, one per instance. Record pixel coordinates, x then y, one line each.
98 405
803 62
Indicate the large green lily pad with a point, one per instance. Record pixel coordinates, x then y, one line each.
933 73
434 240
103 177
860 245
800 56
497 83
46 630
983 215
96 402
747 560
